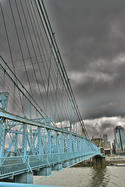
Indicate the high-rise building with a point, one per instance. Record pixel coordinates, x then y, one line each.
119 133
107 145
103 144
105 137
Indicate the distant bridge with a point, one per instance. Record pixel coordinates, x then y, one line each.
41 128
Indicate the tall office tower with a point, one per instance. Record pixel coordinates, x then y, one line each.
119 133
105 137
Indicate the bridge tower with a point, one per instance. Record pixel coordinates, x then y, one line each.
40 121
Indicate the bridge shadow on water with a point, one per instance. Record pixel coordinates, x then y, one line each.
100 178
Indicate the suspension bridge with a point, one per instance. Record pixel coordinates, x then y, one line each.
41 128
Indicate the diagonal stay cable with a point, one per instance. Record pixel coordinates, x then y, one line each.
17 34
40 111
11 56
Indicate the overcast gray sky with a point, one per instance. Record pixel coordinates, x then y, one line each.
91 37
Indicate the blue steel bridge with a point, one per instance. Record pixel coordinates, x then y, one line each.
41 128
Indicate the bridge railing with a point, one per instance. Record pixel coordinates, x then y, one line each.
16 165
37 95
39 147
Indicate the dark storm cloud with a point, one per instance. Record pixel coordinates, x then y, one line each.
92 42
91 35
90 27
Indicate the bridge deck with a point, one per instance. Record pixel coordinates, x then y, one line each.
43 127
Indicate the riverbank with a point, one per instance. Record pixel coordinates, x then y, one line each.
115 160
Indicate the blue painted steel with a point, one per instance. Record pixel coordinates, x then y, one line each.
70 144
39 141
2 136
4 104
4 100
6 184
24 142
33 160
36 142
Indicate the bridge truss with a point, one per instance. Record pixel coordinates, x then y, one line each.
40 122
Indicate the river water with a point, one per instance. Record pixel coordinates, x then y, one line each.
112 176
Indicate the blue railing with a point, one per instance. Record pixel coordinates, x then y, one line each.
6 184
17 165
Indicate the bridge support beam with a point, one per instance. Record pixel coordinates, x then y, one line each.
66 164
26 178
77 160
72 162
99 162
44 171
57 167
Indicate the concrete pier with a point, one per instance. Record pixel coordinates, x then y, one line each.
44 172
26 178
99 162
57 167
